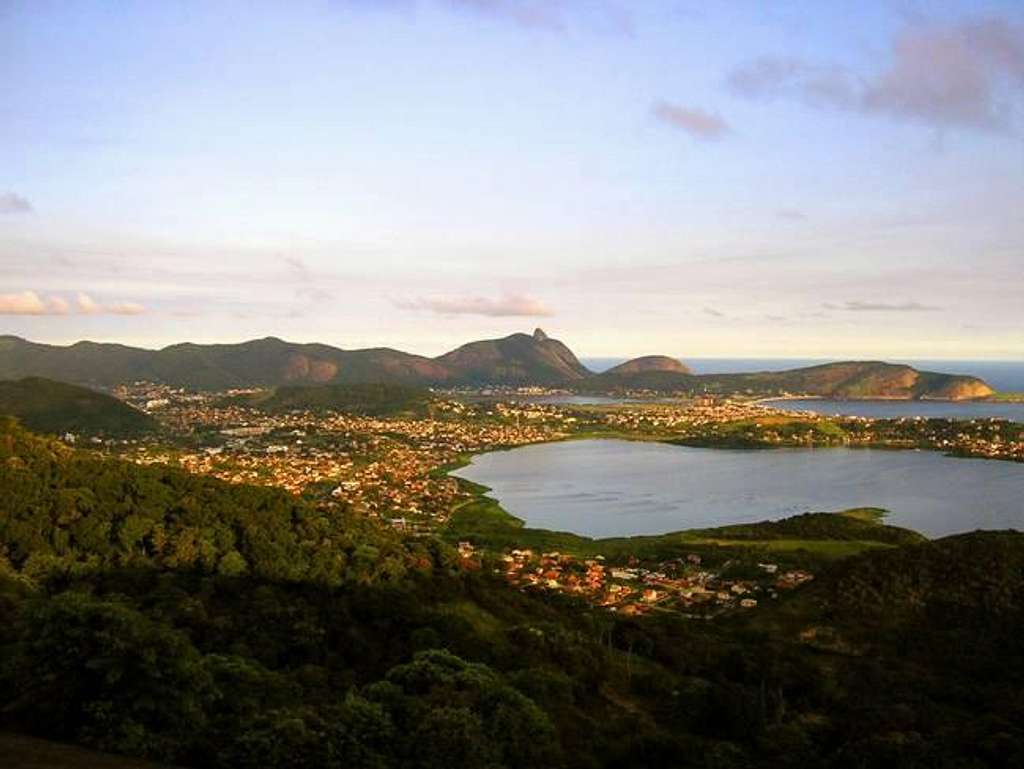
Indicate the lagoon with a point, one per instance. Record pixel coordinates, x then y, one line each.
607 488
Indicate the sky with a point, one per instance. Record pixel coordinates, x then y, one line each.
748 179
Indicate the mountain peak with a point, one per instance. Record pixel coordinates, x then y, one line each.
518 359
650 363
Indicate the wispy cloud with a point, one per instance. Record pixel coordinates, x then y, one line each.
308 289
604 16
791 214
968 74
770 77
546 14
696 122
713 312
11 203
862 306
31 303
507 305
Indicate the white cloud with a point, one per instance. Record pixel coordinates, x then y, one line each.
25 303
31 303
508 305
88 306
125 308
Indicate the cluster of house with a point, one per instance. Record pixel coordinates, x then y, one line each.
696 413
383 466
987 438
681 584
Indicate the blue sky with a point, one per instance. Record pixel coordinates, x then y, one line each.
747 179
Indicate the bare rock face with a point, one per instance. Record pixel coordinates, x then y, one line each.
959 388
539 335
649 363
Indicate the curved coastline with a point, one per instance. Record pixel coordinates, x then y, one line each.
483 519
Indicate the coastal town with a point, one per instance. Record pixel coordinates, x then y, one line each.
390 467
395 468
680 584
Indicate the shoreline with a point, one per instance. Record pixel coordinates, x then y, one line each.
506 525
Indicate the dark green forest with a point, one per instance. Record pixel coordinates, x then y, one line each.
48 406
152 613
363 399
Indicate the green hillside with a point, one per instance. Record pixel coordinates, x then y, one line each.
364 399
69 512
55 407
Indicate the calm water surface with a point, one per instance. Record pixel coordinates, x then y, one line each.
605 488
1013 412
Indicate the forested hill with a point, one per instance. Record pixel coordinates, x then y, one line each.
64 511
363 399
53 407
516 360
963 581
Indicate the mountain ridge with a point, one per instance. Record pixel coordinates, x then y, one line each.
515 360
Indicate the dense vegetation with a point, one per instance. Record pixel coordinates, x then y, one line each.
53 407
317 655
858 524
363 399
65 512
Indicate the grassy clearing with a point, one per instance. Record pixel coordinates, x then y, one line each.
461 461
825 548
484 624
870 514
1006 398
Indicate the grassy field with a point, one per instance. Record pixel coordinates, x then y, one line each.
1006 398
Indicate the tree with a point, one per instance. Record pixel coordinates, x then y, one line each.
102 673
